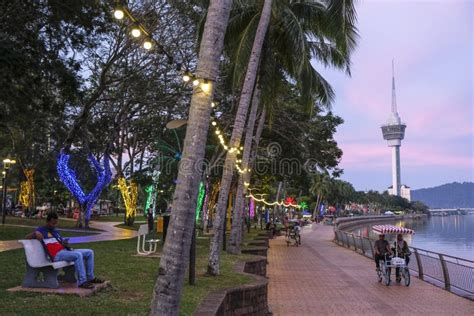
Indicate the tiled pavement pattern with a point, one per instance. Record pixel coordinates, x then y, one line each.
322 278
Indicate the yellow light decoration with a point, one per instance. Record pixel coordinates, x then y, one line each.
273 203
147 44
206 87
136 32
129 195
213 199
27 189
24 194
119 14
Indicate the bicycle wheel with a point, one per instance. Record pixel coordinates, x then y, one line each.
387 273
406 276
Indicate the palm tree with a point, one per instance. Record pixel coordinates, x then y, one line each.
168 287
320 188
239 123
288 51
237 216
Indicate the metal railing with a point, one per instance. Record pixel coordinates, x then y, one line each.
453 274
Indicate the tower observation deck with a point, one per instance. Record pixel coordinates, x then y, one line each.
393 132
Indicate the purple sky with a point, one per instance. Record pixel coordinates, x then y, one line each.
432 44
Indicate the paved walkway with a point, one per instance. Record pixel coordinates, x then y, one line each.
322 278
109 232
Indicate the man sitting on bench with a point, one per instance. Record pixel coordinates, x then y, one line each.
58 250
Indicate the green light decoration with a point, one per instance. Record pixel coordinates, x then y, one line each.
201 194
149 190
303 205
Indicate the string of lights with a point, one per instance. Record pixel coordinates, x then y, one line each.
201 194
149 189
68 177
24 194
226 146
29 173
129 195
282 203
138 30
27 189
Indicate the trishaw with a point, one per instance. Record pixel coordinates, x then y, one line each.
293 233
396 261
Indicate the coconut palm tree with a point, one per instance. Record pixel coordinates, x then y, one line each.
168 287
239 124
320 188
297 32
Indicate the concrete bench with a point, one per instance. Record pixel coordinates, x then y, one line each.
37 263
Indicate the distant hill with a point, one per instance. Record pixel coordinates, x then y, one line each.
450 195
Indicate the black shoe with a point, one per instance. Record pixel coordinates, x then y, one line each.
86 285
96 280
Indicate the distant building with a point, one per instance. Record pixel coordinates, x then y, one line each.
405 192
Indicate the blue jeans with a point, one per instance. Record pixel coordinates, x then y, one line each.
78 256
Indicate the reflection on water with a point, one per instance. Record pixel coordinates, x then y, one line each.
452 235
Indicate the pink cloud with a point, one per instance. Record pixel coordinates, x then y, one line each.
378 156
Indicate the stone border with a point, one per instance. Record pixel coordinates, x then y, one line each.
64 289
246 299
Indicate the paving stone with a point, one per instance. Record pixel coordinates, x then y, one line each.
321 278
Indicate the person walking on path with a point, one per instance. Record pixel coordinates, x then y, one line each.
58 249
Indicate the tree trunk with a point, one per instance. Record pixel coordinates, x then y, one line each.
277 199
258 134
174 260
235 234
239 123
316 208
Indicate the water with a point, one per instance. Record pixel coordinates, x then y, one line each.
452 235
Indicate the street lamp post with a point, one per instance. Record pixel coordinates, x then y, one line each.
6 166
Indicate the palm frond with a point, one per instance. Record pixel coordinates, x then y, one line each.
341 22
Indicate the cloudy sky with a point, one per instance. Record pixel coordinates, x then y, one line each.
432 44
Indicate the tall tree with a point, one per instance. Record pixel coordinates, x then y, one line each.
168 287
239 124
237 215
298 32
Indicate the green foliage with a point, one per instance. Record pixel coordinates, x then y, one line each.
16 233
35 222
132 281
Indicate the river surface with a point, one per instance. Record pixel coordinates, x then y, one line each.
451 235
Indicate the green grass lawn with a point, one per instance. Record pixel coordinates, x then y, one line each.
15 233
132 281
35 222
